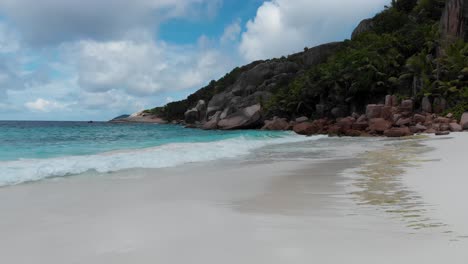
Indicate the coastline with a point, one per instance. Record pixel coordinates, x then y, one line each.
393 119
346 152
272 206
139 118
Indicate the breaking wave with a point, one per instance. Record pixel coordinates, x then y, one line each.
169 155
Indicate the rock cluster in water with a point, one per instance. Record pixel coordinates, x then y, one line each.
394 118
391 119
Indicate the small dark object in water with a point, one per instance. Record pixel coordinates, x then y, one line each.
90 122
443 133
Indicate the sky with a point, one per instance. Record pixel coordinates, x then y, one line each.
97 59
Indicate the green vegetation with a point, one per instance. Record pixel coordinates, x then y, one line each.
400 55
453 78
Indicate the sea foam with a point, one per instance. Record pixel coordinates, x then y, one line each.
169 155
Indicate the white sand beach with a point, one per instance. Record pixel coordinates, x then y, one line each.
443 179
261 209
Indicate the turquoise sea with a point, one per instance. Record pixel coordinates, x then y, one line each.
36 150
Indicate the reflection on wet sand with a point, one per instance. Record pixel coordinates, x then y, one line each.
312 191
379 183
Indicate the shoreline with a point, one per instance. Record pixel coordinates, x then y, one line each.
269 207
445 181
126 217
391 120
168 154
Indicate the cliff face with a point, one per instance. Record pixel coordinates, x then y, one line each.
139 117
256 86
454 22
396 52
235 95
363 27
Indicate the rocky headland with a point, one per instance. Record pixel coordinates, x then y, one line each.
404 71
139 117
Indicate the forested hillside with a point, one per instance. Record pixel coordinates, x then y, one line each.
412 49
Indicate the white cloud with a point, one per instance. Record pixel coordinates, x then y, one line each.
55 21
96 59
143 67
10 77
281 27
231 32
7 107
99 79
9 41
113 100
67 101
42 105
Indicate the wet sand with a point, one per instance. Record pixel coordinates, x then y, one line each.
237 211
444 179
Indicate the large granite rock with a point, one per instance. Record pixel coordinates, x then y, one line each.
379 125
439 105
276 124
250 81
387 112
419 119
302 119
306 128
418 128
191 116
464 121
249 117
216 104
319 54
454 21
252 87
228 111
364 26
255 83
442 120
213 122
120 117
407 105
362 126
454 127
139 117
388 100
404 121
196 114
374 111
201 107
426 105
345 123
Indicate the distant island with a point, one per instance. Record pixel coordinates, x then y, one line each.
404 71
140 117
120 117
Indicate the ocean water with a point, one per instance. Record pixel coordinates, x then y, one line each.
31 151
